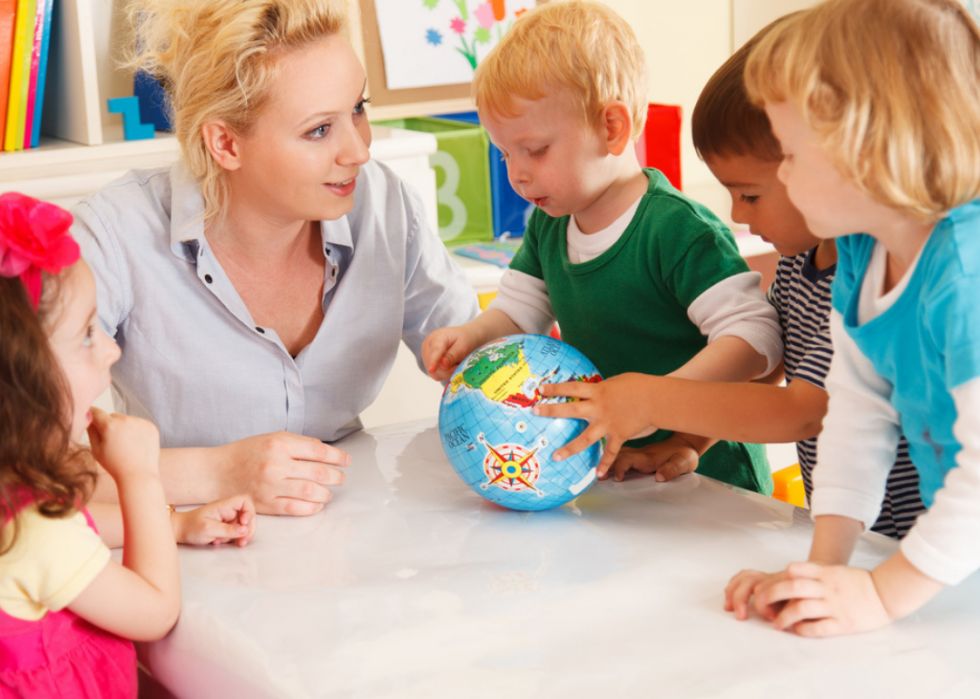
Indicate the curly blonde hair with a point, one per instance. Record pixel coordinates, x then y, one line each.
578 45
892 89
217 61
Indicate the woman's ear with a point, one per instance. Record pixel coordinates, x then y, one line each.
223 144
617 125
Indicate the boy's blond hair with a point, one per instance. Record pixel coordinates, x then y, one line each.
892 89
218 61
577 45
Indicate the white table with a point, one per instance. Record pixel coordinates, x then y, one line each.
410 585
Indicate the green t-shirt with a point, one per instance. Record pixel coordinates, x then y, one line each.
626 310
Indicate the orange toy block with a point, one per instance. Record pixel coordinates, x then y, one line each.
788 485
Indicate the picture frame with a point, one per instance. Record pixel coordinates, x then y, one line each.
397 104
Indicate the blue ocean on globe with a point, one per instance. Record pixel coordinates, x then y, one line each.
497 445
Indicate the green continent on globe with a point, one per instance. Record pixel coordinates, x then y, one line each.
500 373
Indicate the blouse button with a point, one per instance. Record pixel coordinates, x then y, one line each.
261 330
207 278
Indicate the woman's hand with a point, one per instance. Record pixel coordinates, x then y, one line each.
231 519
123 444
284 473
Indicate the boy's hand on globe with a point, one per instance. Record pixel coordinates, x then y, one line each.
445 348
611 407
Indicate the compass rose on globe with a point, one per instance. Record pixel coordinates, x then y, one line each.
511 466
492 437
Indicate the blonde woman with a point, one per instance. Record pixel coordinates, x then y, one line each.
261 286
883 142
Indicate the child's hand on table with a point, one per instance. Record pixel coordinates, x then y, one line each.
444 349
667 460
752 585
612 408
219 522
820 600
810 599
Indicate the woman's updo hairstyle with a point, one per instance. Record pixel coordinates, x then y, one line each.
217 61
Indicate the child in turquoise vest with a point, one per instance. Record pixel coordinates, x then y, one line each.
883 143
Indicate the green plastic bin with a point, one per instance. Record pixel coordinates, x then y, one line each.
462 177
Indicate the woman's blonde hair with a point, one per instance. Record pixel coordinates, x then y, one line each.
217 61
892 89
580 46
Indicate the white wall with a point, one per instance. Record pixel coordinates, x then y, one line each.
684 43
749 16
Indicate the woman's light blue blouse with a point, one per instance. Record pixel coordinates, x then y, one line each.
193 360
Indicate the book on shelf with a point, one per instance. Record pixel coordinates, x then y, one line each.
32 73
42 72
19 82
8 15
25 35
72 106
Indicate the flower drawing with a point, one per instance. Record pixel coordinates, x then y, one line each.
433 37
487 15
484 15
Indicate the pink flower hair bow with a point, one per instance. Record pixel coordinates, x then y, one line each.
34 238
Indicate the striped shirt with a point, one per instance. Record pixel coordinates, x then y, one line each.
801 296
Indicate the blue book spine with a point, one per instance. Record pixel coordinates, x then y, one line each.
42 72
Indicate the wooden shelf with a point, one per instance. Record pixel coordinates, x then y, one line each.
57 157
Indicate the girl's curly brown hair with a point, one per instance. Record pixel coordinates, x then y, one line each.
36 453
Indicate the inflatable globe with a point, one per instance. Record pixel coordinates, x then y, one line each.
493 439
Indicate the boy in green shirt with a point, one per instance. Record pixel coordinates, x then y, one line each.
640 278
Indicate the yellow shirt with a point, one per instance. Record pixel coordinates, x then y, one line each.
51 562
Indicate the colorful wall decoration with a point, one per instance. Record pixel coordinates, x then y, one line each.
440 42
